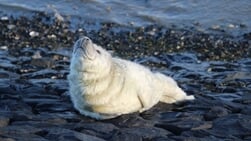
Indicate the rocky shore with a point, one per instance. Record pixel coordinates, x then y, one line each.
34 100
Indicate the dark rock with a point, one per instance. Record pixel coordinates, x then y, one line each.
7 80
203 126
35 91
120 136
4 74
99 129
4 121
170 116
15 106
147 133
246 110
41 123
189 138
59 86
215 112
42 62
47 106
9 93
234 107
235 126
247 36
21 115
7 65
21 133
6 139
71 117
163 139
238 76
66 134
39 100
177 127
245 99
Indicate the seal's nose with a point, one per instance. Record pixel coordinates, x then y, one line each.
85 41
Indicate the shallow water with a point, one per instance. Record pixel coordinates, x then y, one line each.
231 15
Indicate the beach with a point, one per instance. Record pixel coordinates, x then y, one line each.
212 64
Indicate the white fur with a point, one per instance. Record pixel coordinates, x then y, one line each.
104 87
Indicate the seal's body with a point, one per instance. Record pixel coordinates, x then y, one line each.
104 87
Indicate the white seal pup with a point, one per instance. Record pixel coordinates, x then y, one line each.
104 87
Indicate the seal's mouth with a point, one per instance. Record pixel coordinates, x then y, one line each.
85 47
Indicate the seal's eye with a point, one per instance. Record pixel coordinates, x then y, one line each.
98 51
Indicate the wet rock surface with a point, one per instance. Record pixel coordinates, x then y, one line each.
35 103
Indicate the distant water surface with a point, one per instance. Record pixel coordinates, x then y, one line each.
232 15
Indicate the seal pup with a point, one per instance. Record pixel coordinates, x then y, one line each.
103 87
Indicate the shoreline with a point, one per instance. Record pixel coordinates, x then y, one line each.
46 31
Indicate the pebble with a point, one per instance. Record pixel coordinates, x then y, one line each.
52 36
231 26
11 26
215 27
59 17
4 18
36 55
34 34
4 47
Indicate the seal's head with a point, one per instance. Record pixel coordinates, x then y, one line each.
89 57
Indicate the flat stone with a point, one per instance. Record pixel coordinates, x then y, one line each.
246 110
7 139
21 115
66 134
42 122
203 126
215 112
59 87
246 98
235 126
177 127
190 138
147 133
4 121
34 91
40 100
18 129
47 106
102 129
130 120
15 106
4 74
62 52
7 65
42 62
121 136
21 133
238 75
